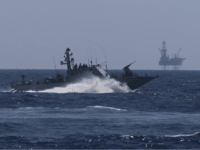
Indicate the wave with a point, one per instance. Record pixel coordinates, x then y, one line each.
91 141
55 112
91 85
8 90
182 135
105 107
60 108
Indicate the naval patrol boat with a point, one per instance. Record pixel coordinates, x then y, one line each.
76 73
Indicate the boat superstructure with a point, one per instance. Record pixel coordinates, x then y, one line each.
74 74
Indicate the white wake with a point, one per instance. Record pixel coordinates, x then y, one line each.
91 85
105 107
182 135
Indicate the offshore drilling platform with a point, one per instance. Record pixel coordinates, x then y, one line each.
165 61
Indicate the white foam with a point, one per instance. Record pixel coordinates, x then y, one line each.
105 107
8 90
126 137
57 112
91 85
181 135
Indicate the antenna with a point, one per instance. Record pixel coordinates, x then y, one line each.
88 58
91 57
164 45
20 71
102 50
95 55
178 52
22 75
54 64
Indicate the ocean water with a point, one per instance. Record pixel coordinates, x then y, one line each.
95 113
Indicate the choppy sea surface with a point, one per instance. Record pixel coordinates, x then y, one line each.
96 113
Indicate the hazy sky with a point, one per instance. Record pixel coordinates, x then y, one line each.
32 32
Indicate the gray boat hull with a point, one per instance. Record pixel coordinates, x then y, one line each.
75 77
135 82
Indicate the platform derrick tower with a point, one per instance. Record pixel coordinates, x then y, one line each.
175 61
164 59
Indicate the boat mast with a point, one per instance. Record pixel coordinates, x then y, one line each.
67 60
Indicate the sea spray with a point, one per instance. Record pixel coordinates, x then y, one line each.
91 85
